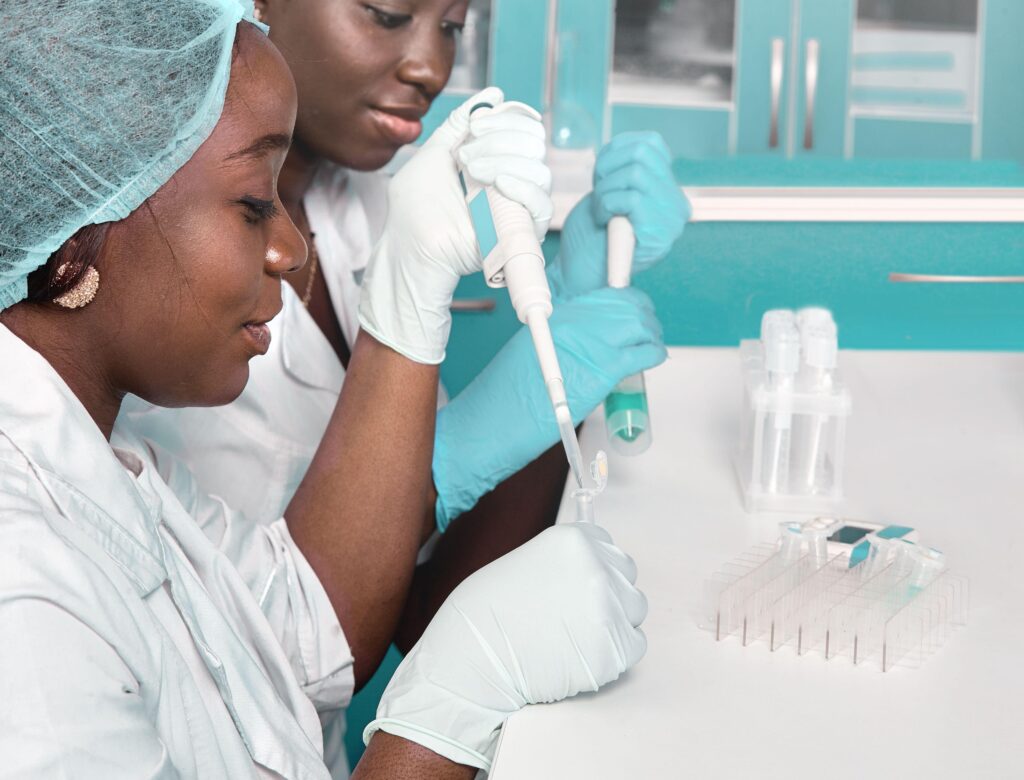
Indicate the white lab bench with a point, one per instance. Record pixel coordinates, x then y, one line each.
936 441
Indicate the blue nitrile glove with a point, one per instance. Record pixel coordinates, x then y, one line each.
632 177
503 419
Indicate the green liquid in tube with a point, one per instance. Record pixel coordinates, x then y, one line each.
628 403
626 416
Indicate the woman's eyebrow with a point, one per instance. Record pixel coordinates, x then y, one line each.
262 146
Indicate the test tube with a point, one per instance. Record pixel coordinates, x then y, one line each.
627 422
782 360
820 345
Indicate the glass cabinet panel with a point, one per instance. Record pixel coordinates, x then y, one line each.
675 52
472 55
805 93
915 59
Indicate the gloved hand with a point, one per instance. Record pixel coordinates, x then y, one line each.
632 177
428 240
554 617
503 419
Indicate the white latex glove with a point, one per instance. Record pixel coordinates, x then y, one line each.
557 616
428 240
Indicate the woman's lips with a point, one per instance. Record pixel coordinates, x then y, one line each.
258 334
397 129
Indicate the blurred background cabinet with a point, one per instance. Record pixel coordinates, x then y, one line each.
800 92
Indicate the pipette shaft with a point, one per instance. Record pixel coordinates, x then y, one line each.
518 263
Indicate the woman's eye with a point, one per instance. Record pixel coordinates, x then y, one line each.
451 29
257 209
388 21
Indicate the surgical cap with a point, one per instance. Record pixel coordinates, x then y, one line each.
101 101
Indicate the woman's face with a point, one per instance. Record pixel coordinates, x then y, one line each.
366 72
191 277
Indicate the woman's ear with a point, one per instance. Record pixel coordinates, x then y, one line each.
261 11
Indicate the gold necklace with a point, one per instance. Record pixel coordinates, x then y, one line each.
313 264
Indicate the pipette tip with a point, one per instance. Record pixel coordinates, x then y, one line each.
569 441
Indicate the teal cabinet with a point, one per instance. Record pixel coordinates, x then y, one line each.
736 86
504 44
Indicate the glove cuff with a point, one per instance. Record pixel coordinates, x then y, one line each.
409 312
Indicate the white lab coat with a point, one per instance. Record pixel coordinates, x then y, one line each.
254 452
146 630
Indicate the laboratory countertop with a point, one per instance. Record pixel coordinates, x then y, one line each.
936 441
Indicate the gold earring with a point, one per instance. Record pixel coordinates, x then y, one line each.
257 13
82 293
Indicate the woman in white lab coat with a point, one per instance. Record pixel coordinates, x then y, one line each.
147 629
366 73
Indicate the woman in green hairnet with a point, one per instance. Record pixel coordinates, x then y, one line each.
149 631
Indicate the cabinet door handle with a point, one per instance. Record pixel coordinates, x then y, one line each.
778 57
473 304
810 90
955 279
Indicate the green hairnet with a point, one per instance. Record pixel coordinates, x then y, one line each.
101 101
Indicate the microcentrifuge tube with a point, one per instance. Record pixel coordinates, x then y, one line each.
584 497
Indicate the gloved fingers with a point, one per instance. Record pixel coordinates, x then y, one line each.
600 334
510 143
455 128
615 203
632 138
626 316
642 357
619 560
635 150
664 194
631 598
483 123
534 198
487 169
635 642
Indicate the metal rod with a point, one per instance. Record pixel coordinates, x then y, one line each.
954 279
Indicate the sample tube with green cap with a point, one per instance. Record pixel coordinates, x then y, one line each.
625 409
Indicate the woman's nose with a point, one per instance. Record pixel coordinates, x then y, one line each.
287 250
427 63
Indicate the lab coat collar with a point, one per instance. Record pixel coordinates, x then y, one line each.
49 426
306 353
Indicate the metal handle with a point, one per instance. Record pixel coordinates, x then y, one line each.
955 279
474 304
778 56
810 90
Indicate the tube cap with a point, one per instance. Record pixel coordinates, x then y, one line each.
782 348
820 345
774 316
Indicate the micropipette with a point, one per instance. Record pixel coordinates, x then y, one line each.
513 259
625 409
